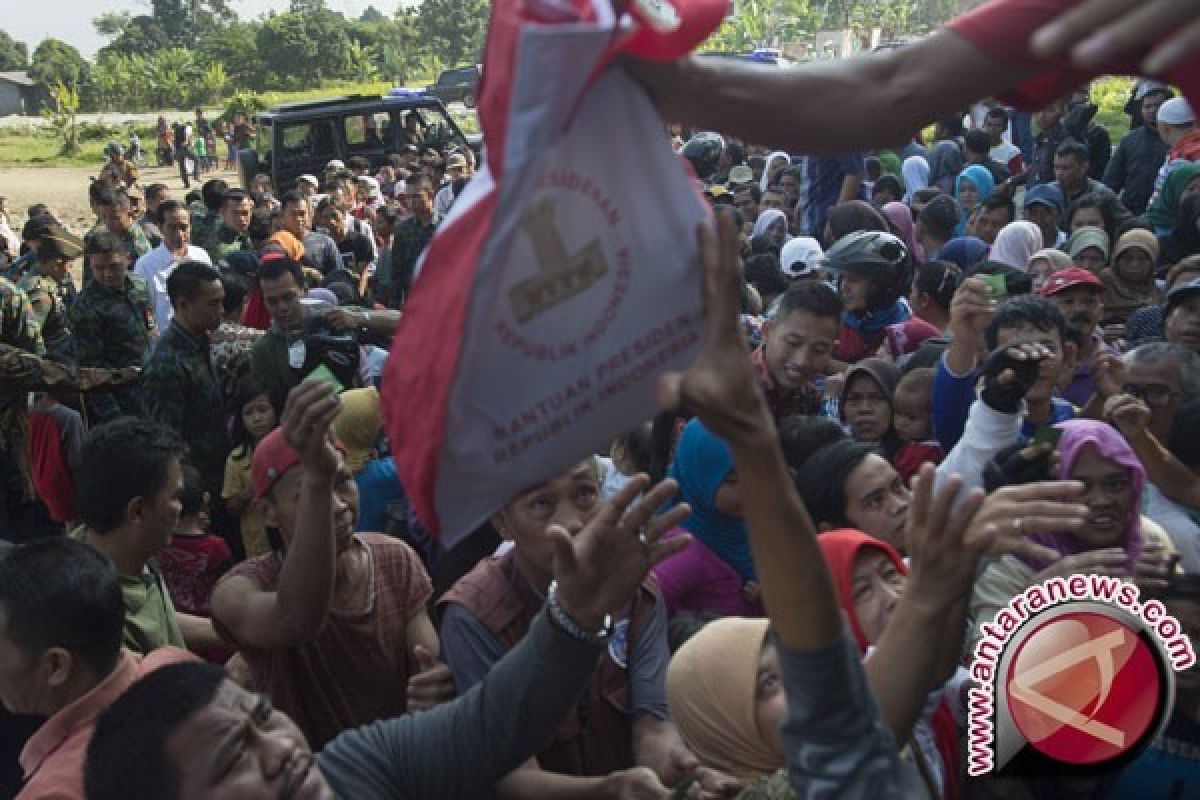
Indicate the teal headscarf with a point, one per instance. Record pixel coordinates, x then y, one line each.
985 184
701 463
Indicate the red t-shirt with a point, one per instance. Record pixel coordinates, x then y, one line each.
1002 29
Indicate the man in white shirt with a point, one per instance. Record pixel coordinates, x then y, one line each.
175 222
456 167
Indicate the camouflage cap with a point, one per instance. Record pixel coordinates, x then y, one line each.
57 242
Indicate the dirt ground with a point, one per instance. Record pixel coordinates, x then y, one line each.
65 190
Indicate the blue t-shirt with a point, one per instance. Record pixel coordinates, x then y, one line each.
1169 769
821 189
378 487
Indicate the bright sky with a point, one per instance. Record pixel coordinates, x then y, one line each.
71 20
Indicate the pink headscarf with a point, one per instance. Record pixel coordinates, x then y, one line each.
901 216
1078 434
1016 243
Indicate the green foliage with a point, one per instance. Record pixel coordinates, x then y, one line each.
1111 94
13 54
56 62
62 117
243 102
453 29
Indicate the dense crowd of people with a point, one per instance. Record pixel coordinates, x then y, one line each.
934 375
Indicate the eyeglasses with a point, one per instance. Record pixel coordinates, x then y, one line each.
1155 395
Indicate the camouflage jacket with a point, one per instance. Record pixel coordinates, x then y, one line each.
18 324
19 266
180 389
410 238
50 300
204 226
114 329
225 241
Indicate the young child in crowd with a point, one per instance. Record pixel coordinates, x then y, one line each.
358 427
912 409
195 559
630 454
254 416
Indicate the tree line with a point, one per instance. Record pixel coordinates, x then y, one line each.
198 52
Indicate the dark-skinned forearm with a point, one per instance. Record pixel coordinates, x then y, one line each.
831 107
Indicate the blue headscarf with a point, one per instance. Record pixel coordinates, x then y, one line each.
985 184
965 251
701 463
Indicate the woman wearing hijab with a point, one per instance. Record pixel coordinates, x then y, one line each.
1114 532
715 571
1183 181
358 427
972 186
1016 243
851 216
965 252
777 162
1046 262
1129 283
902 222
1089 248
945 163
866 404
915 171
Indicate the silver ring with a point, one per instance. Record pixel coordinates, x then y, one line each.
1019 525
642 537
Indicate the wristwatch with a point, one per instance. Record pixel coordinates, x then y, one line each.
568 625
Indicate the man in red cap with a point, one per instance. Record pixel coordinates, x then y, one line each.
1078 293
334 626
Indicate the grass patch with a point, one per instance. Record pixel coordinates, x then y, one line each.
44 149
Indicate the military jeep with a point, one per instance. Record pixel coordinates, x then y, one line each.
295 139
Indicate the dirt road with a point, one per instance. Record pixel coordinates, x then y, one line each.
65 189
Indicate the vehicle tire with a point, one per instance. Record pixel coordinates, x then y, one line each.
469 100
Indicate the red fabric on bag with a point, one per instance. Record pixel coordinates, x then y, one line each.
1002 29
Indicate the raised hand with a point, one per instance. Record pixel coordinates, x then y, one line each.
432 685
308 414
1128 413
1009 373
720 387
1010 514
971 310
934 538
599 570
1095 32
1108 372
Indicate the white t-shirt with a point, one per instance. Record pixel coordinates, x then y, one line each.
155 267
1004 153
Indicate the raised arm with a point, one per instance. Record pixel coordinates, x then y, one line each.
721 389
460 749
296 611
881 98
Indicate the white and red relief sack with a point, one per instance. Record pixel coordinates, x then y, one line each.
565 279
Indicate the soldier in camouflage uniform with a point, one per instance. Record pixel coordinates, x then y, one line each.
179 385
113 324
22 370
51 291
32 231
116 215
236 211
206 215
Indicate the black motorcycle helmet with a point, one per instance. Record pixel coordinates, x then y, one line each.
880 257
704 150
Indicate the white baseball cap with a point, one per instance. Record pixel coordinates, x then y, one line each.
1176 111
801 256
309 179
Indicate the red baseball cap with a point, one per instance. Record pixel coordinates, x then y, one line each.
273 457
1068 279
